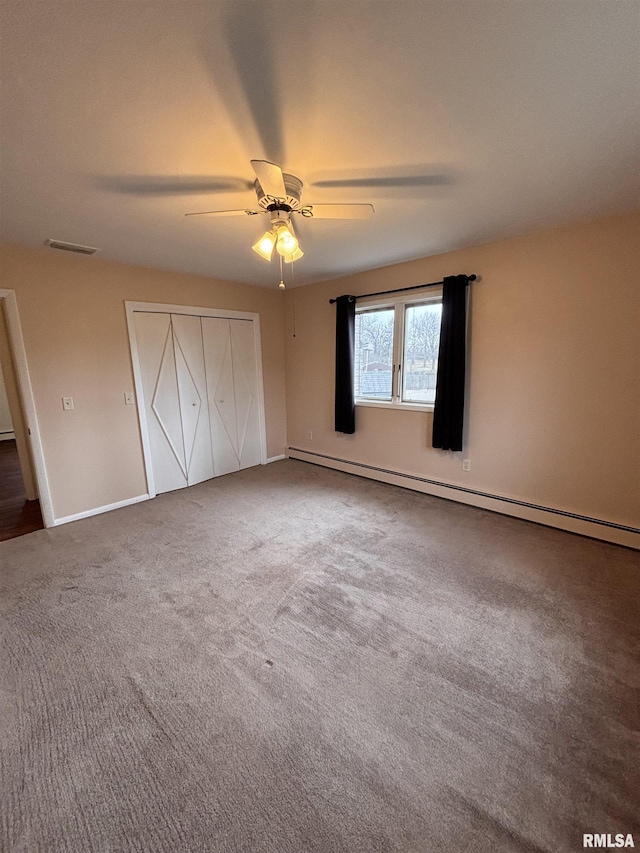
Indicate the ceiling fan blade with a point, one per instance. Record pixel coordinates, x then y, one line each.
387 181
337 211
244 212
270 177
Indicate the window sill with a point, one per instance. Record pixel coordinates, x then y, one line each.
385 404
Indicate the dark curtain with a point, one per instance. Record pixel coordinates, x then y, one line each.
345 348
448 415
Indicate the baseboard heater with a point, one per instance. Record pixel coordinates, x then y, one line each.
597 528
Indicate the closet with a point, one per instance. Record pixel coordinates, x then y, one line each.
198 388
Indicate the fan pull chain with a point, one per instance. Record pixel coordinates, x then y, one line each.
293 311
282 284
293 302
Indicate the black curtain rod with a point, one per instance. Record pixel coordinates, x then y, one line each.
402 289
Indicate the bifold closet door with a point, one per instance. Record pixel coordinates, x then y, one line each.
192 393
161 400
175 398
230 359
245 382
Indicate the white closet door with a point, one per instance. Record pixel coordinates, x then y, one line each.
245 381
161 400
192 391
216 338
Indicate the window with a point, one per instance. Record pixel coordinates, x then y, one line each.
396 352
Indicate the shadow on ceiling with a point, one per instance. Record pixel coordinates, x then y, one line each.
170 185
412 180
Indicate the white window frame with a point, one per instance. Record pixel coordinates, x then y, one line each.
399 304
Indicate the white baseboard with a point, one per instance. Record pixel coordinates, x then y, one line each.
595 528
276 458
100 509
9 436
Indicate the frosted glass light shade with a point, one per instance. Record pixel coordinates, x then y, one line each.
294 256
286 243
264 246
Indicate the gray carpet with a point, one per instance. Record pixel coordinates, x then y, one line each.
295 660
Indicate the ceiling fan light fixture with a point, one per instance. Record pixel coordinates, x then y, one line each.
264 246
279 194
286 243
294 256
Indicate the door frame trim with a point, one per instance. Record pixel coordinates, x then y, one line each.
25 390
161 308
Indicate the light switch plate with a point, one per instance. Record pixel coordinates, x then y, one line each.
67 403
128 398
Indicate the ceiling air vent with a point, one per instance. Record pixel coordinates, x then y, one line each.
71 247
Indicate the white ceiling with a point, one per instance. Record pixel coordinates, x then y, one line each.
471 121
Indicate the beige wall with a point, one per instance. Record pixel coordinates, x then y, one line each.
73 321
553 413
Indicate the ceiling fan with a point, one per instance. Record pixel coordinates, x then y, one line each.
279 195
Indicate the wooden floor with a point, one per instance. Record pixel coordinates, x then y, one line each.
17 514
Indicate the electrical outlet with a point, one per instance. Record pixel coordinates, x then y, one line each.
128 398
466 464
67 403
310 435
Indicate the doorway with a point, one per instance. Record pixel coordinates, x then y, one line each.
18 514
25 504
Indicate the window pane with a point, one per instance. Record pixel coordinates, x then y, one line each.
421 342
374 353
